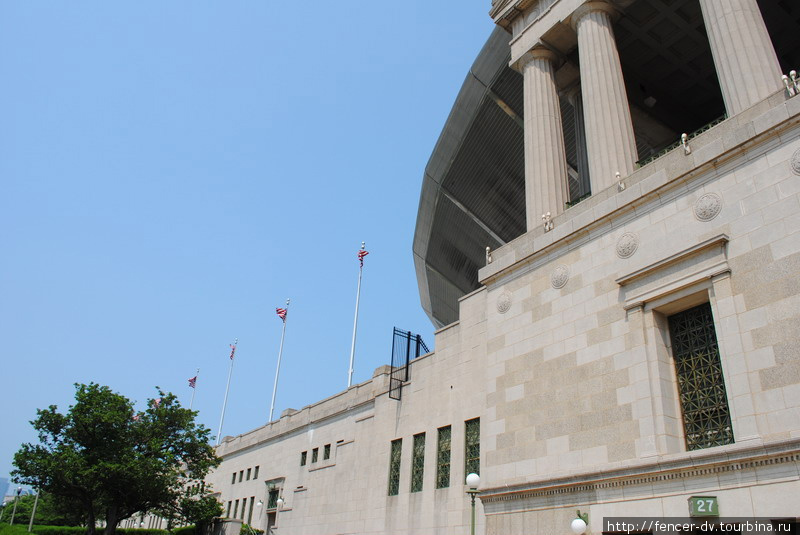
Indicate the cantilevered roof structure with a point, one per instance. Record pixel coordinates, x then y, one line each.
473 189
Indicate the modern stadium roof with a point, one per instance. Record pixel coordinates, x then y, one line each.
473 189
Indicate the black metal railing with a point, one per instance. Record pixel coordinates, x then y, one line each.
405 346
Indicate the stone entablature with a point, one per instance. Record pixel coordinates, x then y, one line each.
779 458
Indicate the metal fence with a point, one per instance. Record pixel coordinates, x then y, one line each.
405 346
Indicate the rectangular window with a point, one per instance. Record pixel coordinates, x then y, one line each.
303 457
314 455
233 478
394 467
250 515
443 458
472 447
272 499
228 514
701 386
235 508
244 507
417 462
248 474
326 453
255 473
241 475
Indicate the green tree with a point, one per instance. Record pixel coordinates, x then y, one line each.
48 512
110 461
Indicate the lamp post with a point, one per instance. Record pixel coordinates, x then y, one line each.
14 512
580 523
33 513
278 507
473 480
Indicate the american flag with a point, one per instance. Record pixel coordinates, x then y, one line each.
361 254
233 350
156 402
136 417
193 382
281 312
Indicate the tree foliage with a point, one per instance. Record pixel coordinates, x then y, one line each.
110 461
48 512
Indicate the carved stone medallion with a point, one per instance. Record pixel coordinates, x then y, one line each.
559 277
627 245
796 162
708 207
503 302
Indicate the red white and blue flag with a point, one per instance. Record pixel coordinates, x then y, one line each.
193 381
281 312
233 350
361 254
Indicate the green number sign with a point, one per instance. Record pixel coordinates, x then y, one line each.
703 506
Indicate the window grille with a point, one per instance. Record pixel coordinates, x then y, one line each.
472 446
303 458
394 467
272 499
417 462
314 455
701 386
326 453
443 458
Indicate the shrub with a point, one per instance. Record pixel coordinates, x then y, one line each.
186 530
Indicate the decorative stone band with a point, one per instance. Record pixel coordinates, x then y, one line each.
770 461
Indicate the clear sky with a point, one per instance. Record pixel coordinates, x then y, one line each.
172 171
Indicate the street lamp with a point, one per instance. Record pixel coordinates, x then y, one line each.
278 507
580 523
16 499
473 480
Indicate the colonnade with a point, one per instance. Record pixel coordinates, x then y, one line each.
746 64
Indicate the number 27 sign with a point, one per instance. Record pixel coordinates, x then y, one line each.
703 506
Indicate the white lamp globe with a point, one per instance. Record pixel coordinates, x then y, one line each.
578 526
473 480
279 503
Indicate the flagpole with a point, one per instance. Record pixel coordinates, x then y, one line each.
278 369
361 254
191 403
225 402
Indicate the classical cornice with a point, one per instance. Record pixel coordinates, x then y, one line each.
503 12
690 465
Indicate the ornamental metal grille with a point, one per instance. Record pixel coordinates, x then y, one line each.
394 467
701 386
472 447
443 458
417 462
272 499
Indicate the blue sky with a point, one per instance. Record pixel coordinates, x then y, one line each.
170 172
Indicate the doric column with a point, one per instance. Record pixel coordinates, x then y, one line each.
545 157
610 143
746 64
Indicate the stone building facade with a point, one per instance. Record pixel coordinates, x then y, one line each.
621 355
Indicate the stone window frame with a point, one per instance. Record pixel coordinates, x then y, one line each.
687 278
